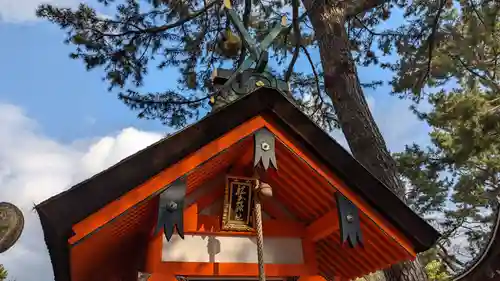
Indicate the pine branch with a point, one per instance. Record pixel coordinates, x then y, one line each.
431 44
315 73
246 22
481 77
178 23
149 101
358 8
474 8
296 29
316 78
303 16
449 259
374 32
47 11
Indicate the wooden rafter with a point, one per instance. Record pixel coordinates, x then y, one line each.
323 227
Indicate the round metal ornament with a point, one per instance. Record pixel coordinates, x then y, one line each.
11 225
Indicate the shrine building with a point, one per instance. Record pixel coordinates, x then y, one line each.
183 208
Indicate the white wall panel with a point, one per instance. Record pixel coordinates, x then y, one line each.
231 249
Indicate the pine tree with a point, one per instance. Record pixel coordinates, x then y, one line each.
462 165
3 273
431 44
464 161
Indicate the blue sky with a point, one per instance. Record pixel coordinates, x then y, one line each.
70 102
59 125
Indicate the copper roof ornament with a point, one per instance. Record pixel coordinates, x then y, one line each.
11 225
245 79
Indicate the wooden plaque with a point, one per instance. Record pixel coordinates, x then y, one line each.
238 204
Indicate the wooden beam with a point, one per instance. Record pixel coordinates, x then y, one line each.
210 197
244 167
275 209
273 228
310 257
229 269
323 227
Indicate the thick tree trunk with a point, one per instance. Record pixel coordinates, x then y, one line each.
357 123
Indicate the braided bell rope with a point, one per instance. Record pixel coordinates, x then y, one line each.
260 238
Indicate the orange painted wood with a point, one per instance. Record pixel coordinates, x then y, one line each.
271 228
164 178
340 186
230 269
312 277
196 223
153 255
210 197
309 186
162 277
155 184
298 196
271 207
191 218
323 227
309 254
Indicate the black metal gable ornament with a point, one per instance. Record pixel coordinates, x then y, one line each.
264 151
350 229
171 209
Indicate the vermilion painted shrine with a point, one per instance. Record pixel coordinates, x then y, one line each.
329 218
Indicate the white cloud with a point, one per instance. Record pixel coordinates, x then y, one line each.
18 11
34 167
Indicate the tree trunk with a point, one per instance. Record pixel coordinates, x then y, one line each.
357 123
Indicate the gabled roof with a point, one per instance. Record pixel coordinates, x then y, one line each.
59 213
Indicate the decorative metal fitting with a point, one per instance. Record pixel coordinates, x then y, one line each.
265 146
350 226
264 149
258 52
170 209
11 225
349 218
172 206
